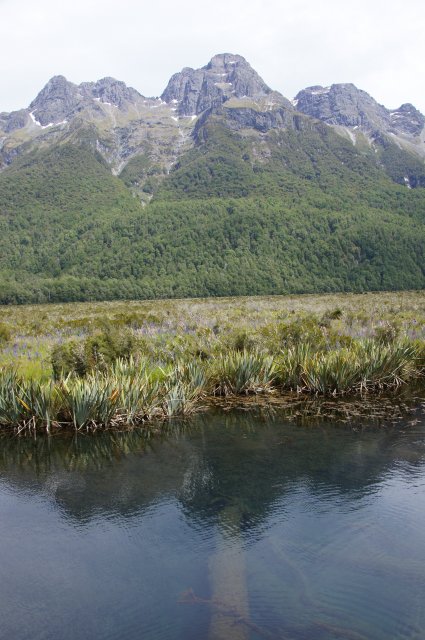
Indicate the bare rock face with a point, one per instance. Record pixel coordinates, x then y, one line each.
57 101
193 92
343 104
15 120
238 73
262 121
61 100
110 91
225 76
407 120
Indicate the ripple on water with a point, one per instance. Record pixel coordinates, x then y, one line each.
306 534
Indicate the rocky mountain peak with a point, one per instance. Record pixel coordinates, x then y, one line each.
60 99
223 61
342 104
57 83
407 120
346 105
226 58
56 101
110 91
225 76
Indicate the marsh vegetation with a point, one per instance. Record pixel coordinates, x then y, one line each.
126 363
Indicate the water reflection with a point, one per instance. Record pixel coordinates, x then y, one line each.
268 529
210 464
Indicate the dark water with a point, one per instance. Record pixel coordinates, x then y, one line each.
237 527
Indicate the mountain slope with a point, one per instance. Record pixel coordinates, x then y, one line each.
397 137
246 193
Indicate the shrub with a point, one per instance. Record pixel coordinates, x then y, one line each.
68 358
105 348
302 331
95 352
242 341
387 333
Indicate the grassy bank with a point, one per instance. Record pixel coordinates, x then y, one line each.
108 364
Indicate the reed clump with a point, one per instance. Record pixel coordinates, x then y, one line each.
127 393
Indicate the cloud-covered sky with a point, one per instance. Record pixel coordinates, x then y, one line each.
378 45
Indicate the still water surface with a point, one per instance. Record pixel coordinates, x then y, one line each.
234 528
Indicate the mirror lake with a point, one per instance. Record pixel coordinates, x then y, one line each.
238 525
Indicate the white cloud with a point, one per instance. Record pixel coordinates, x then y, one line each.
291 43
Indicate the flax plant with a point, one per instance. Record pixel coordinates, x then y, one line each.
89 402
185 388
13 409
242 372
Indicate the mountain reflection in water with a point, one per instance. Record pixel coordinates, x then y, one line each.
231 527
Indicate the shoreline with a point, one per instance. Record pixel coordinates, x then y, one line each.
383 407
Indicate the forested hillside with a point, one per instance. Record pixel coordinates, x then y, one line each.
254 199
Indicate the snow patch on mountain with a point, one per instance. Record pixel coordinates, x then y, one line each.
45 126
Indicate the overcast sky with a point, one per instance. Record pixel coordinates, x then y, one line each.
378 45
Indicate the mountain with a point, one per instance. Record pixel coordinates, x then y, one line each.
344 104
396 136
221 186
225 76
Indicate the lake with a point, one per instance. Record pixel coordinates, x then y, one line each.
239 525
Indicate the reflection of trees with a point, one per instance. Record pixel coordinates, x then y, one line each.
263 462
227 472
99 473
221 461
222 464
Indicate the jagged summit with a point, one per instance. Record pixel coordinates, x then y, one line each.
56 101
342 104
149 135
224 59
110 91
346 105
60 100
225 76
229 80
407 119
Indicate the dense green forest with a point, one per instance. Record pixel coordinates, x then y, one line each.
295 211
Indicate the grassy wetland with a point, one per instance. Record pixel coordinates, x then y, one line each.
88 365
